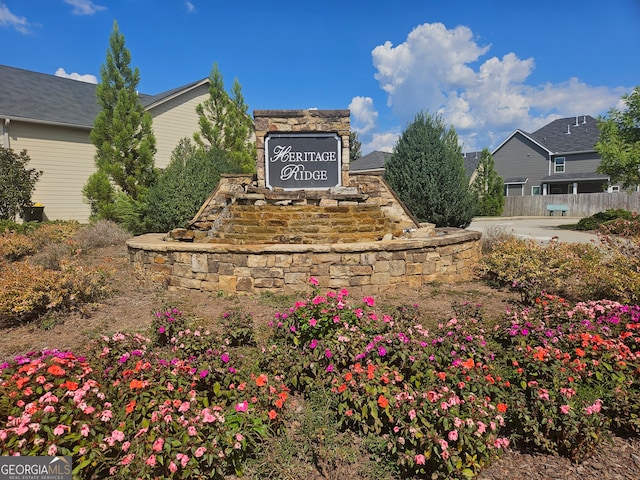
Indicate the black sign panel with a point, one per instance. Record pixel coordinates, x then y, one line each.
299 161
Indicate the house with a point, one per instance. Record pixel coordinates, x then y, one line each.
51 117
559 158
375 161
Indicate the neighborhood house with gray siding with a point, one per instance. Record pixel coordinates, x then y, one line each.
559 158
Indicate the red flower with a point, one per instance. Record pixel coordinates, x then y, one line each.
383 402
261 381
130 406
136 384
69 385
56 370
468 363
502 407
272 414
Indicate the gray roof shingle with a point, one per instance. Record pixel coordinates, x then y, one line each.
41 97
564 136
46 98
371 161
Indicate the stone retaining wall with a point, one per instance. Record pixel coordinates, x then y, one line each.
365 268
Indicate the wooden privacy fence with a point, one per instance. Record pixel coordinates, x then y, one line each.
580 205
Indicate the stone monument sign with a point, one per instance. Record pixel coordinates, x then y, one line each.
303 161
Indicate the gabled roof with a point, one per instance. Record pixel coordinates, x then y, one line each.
567 135
373 161
43 98
563 136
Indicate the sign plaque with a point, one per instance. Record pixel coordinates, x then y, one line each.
303 161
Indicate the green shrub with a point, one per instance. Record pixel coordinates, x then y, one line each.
184 185
594 221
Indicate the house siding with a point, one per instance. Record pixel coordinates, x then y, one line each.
520 157
65 155
174 120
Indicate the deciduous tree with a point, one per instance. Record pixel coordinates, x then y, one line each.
16 182
619 143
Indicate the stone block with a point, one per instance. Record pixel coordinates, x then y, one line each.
381 266
254 261
227 283
245 284
397 268
199 263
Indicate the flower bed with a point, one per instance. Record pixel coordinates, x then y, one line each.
442 402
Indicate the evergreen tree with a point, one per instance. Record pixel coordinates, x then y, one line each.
122 133
619 143
426 171
488 187
355 146
225 124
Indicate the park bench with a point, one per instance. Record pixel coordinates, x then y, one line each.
557 208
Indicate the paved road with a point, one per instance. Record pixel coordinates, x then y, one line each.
541 229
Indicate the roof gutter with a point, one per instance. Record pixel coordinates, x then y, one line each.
45 122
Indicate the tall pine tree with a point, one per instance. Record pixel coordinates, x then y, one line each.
426 170
225 124
488 187
122 133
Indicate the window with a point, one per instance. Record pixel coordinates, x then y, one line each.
535 190
615 188
558 165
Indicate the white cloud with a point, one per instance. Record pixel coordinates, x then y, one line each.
363 115
434 70
60 72
190 6
8 19
84 7
384 142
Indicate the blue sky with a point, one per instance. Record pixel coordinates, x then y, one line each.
488 67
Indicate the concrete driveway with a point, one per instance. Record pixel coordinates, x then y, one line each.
540 229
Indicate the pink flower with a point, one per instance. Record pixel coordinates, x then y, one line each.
242 406
443 444
453 435
173 468
369 301
313 281
53 449
127 459
106 415
158 444
200 451
118 435
184 407
125 446
85 430
565 409
59 430
151 461
420 459
412 414
191 431
183 459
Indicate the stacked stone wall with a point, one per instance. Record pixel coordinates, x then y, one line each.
368 268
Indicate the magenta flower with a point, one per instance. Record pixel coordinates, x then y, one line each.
369 301
382 351
225 358
313 344
420 459
565 409
242 406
